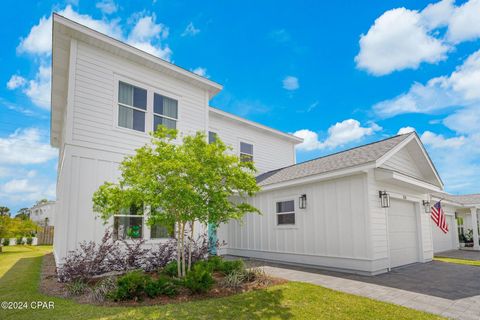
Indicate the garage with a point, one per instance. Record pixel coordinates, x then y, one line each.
443 241
402 233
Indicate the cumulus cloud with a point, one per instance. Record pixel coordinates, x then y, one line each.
290 83
38 89
403 39
26 146
339 134
16 81
201 72
26 190
398 40
438 141
107 6
460 88
190 30
405 130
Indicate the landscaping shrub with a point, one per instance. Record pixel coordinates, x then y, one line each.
103 288
257 274
171 269
234 279
216 263
19 241
230 266
199 280
29 241
6 242
76 287
130 286
162 286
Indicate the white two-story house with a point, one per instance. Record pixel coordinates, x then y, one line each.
362 210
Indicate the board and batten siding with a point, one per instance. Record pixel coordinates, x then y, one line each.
95 110
270 152
332 232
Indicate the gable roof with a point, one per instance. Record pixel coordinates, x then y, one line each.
464 199
358 156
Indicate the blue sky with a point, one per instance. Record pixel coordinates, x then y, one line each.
337 74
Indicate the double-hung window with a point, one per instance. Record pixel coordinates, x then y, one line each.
128 224
246 152
165 112
212 137
132 106
285 212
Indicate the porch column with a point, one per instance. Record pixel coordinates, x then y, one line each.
473 212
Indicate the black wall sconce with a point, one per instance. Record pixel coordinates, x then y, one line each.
426 206
302 201
384 199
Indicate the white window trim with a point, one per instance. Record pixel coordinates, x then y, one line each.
146 231
282 199
149 114
161 115
240 141
133 216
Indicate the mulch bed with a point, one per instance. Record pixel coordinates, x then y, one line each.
49 285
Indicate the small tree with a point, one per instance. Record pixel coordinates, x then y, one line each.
4 211
23 213
181 184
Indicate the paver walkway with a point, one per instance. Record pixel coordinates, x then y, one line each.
460 254
466 307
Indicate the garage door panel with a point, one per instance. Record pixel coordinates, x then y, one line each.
402 229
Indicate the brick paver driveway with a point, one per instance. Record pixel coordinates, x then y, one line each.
447 289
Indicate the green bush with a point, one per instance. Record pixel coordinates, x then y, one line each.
6 242
234 279
103 288
130 286
216 263
29 241
232 266
171 269
162 286
76 287
19 241
199 279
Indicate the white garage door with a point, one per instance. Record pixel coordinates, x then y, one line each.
443 241
402 229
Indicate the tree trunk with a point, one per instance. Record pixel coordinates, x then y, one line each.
179 270
190 246
183 249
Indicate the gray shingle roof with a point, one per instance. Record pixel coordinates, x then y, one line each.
465 199
349 158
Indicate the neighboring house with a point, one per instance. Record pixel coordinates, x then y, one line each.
361 210
43 213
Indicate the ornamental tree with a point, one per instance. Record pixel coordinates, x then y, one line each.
180 184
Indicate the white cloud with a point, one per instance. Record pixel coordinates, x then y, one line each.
290 83
107 6
38 89
464 23
398 40
339 134
27 190
405 130
190 30
25 146
16 81
458 89
438 14
464 121
201 72
146 35
438 141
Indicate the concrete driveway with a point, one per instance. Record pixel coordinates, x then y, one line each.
446 289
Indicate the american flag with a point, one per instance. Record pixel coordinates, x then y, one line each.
438 216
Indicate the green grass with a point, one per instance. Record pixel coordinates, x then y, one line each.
458 261
20 274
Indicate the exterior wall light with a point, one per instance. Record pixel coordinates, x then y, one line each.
384 199
302 201
426 206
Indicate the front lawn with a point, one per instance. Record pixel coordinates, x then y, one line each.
20 275
458 261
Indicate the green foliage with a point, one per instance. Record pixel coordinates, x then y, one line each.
76 287
13 227
191 181
234 279
171 269
103 288
231 266
199 279
19 241
216 263
130 286
4 211
161 286
6 242
29 241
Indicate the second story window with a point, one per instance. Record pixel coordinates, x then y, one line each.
165 112
212 137
246 152
132 106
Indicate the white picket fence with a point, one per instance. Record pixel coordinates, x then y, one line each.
13 241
